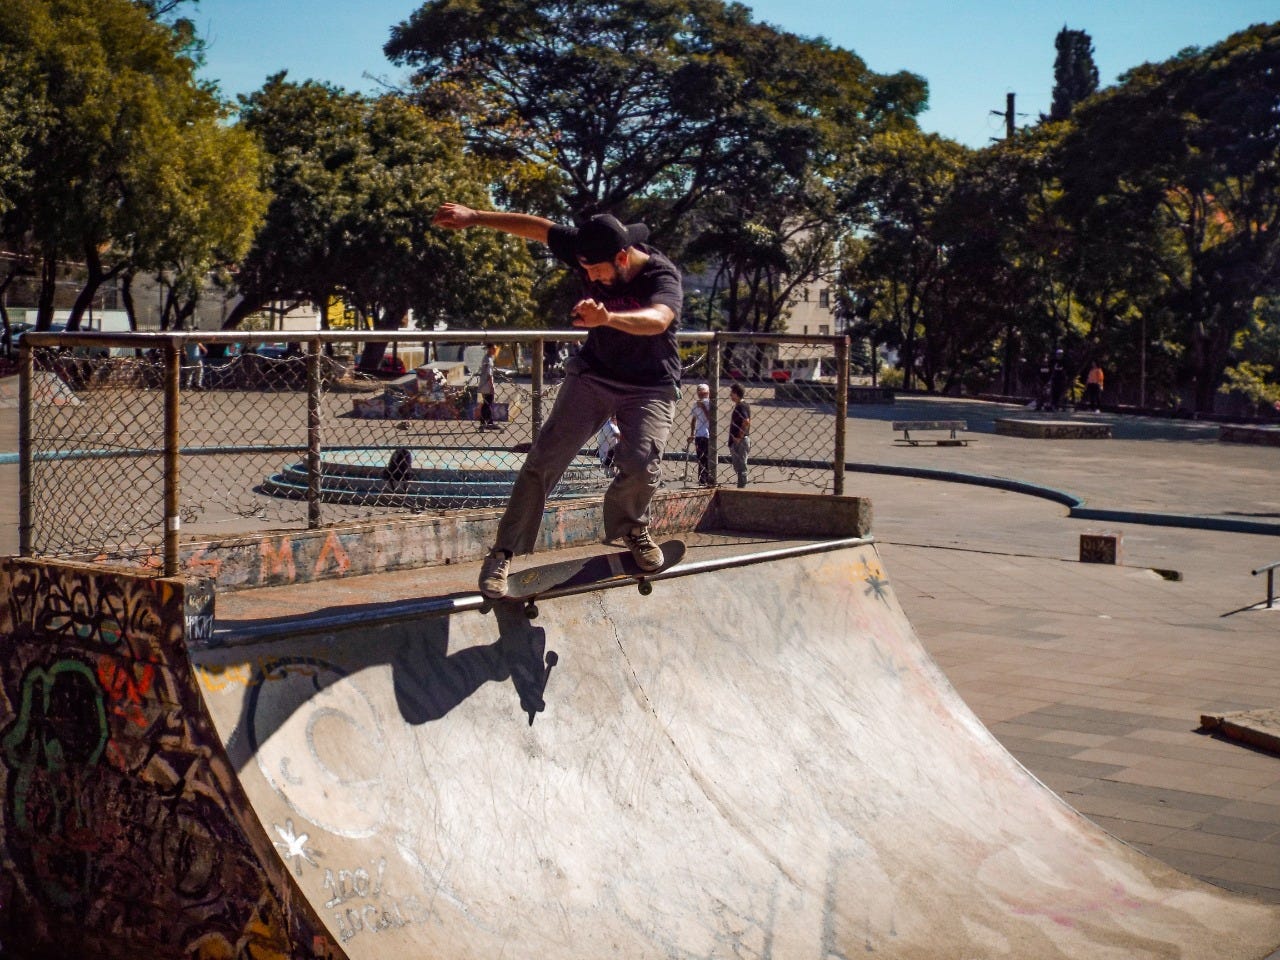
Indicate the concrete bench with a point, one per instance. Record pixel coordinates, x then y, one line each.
906 426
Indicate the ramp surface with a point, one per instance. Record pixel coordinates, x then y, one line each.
756 762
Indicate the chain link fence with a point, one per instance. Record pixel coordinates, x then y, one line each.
132 442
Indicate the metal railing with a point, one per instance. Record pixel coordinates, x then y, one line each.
129 444
1270 571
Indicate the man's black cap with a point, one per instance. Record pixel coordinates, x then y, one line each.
603 237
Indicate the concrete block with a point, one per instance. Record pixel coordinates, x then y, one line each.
1101 548
1264 436
1053 429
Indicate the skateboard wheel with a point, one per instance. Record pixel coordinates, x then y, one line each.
531 611
645 588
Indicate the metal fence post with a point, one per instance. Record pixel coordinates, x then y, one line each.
26 509
172 464
539 354
713 428
842 413
314 464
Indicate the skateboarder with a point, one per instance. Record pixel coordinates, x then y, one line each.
628 367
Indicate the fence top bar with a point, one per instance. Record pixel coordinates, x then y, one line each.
1269 566
146 339
729 336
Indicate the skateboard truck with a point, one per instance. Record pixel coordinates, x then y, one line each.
644 585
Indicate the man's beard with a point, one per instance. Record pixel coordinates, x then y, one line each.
614 281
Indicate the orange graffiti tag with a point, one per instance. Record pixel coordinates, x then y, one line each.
277 561
335 552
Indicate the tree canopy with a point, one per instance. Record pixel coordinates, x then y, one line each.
1139 223
1140 228
713 127
131 165
355 182
1187 152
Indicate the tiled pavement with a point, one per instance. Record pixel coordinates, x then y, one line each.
1094 677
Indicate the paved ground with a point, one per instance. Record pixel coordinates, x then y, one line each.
1094 677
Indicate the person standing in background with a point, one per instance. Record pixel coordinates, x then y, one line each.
1093 382
700 433
739 434
486 387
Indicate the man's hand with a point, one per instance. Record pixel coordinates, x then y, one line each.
454 216
590 313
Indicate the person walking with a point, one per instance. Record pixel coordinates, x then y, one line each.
193 369
700 433
739 434
1093 382
628 367
1057 382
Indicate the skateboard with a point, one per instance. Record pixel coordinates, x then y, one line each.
587 573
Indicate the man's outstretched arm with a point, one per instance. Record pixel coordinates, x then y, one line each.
456 216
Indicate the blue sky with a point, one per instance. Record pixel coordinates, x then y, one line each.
972 52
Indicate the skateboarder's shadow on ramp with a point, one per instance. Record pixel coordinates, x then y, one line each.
429 681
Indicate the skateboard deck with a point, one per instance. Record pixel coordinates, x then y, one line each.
587 573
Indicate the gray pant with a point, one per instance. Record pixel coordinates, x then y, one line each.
738 457
645 416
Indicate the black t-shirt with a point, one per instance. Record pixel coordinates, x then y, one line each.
626 357
738 422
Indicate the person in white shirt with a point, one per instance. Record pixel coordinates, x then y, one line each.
700 433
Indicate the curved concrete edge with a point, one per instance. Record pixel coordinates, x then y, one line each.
1187 521
978 479
1075 505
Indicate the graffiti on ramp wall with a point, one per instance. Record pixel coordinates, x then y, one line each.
123 829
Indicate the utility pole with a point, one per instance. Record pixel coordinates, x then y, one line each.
1008 115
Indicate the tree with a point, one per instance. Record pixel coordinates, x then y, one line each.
20 121
355 182
1188 153
113 167
905 179
635 103
778 228
1075 76
987 289
1255 372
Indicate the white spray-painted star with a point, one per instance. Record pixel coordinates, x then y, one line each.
294 846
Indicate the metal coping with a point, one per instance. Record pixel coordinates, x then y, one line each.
243 633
